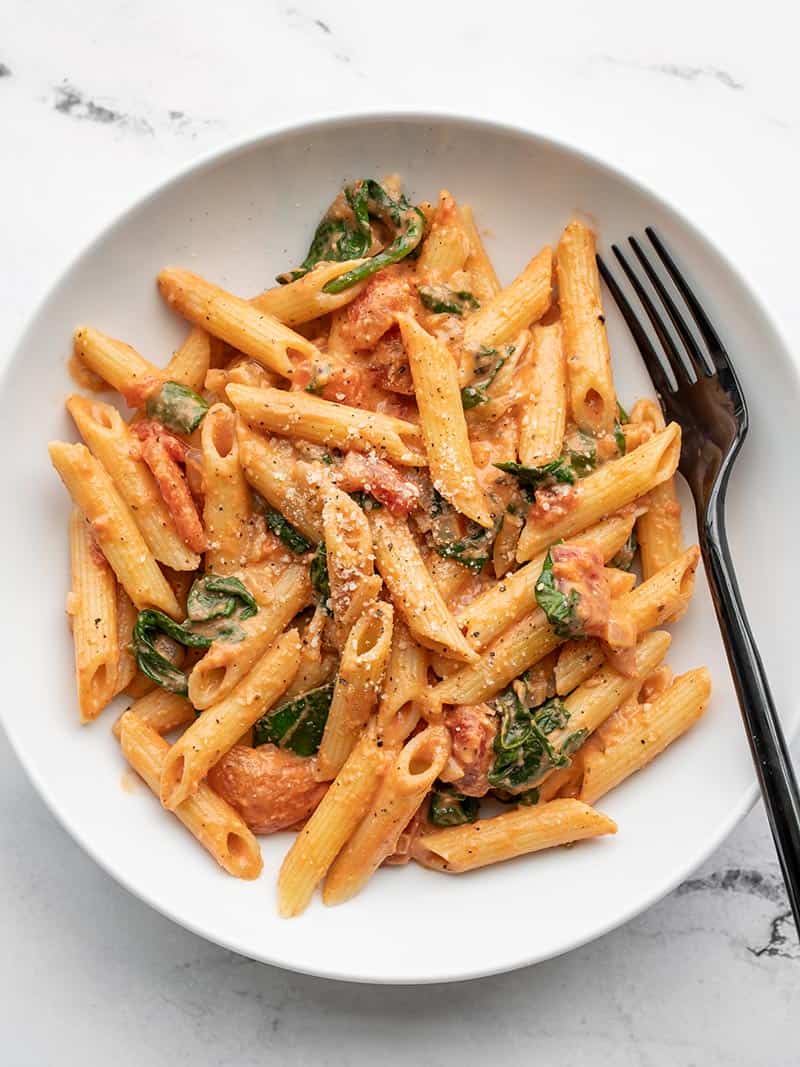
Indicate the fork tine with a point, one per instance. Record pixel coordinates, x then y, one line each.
679 369
704 325
699 365
649 355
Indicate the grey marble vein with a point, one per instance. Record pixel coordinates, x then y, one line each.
682 71
73 102
5 72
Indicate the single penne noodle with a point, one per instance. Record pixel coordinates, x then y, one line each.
518 648
514 308
516 833
247 328
405 784
113 526
656 601
226 663
505 603
218 828
358 682
591 703
593 401
448 575
118 364
351 571
332 823
303 300
577 661
442 421
484 278
218 729
447 246
190 363
643 736
92 606
161 710
566 781
226 507
408 580
615 484
112 443
619 581
659 531
404 683
296 414
126 620
543 412
272 468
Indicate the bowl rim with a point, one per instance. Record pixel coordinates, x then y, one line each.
326 120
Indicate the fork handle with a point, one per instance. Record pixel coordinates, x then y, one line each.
767 743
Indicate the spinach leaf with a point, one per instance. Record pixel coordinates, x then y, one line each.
471 551
341 236
530 798
318 570
444 301
297 725
560 608
622 414
558 470
582 454
522 749
487 367
624 558
177 407
150 661
449 808
215 597
290 537
619 437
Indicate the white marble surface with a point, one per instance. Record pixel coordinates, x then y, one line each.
99 100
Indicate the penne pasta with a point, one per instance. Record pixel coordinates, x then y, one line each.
447 247
226 510
293 414
272 468
543 413
244 326
646 734
416 598
442 421
190 364
218 828
92 608
358 682
614 485
336 818
405 784
514 308
303 300
404 685
515 833
126 620
112 443
218 729
118 364
348 544
659 530
160 710
478 264
592 398
114 529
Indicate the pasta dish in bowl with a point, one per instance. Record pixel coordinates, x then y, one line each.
365 550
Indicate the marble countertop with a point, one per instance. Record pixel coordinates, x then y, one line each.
100 100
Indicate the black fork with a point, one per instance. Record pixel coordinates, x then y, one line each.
698 388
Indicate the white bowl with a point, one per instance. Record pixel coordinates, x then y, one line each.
240 217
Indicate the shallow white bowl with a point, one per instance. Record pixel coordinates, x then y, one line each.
239 218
